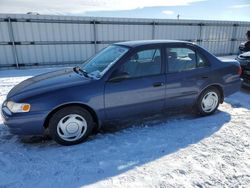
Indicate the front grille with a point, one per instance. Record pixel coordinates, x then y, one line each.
248 64
247 72
246 80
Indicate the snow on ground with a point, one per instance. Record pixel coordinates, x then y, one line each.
170 151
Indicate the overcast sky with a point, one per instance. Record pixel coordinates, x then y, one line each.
169 9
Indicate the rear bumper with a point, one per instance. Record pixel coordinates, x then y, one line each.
232 87
24 123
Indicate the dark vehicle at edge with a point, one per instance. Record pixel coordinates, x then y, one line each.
244 60
123 81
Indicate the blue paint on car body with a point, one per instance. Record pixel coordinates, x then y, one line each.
115 100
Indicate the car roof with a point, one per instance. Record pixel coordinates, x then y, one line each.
149 42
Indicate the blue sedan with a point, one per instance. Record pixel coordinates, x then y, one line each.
125 80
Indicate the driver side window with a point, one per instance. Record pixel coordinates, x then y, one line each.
143 63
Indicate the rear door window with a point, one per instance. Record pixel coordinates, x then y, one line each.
184 59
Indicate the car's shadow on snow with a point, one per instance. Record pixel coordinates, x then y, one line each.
116 151
240 99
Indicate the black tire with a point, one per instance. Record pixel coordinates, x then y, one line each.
200 106
63 113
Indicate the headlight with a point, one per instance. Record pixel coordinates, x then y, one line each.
18 107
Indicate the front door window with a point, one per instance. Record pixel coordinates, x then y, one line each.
143 63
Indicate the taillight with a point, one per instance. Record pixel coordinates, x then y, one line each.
239 70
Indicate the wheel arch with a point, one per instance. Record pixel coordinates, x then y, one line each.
217 86
88 108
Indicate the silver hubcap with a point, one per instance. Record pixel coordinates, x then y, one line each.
71 127
209 101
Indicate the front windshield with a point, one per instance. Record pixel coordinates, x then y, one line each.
102 61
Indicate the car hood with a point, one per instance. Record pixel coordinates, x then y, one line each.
48 81
245 55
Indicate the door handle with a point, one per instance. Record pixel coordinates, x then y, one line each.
204 77
158 84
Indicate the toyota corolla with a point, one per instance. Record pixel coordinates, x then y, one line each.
125 80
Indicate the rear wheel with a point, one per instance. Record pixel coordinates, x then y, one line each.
70 125
208 101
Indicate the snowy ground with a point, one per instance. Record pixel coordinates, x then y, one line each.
170 151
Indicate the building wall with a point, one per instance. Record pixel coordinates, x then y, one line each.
27 40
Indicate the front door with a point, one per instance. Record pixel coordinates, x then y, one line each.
143 92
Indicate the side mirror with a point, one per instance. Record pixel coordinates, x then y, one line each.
118 76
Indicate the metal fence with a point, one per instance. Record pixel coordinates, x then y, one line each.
33 40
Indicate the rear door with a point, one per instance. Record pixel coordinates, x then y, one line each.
143 92
186 71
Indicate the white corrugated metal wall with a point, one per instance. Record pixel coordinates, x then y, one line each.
57 40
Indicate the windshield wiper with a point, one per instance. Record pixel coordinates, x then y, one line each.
78 69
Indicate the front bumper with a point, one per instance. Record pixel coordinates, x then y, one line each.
246 76
30 123
245 66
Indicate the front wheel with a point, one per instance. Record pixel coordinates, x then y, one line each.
70 125
208 101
